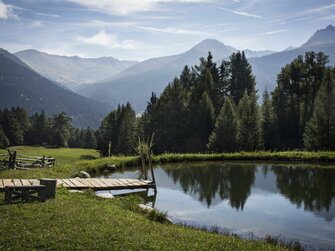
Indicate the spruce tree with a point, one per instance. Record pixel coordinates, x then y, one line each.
90 141
224 136
268 123
12 128
61 127
241 77
126 137
320 130
4 142
249 132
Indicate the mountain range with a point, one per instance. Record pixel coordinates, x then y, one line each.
22 86
36 78
137 82
72 71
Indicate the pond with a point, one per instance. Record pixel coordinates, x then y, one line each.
294 202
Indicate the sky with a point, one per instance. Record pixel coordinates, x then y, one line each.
142 29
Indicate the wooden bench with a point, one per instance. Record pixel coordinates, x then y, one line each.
24 193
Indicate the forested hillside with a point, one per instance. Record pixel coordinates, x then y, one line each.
21 86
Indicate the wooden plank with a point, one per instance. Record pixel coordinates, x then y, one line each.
34 182
114 182
77 183
93 182
85 183
105 182
127 182
25 182
60 183
101 183
122 182
109 182
67 183
8 182
17 182
1 184
135 182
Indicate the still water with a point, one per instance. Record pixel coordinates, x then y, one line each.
294 202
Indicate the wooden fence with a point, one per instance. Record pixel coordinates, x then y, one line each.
13 160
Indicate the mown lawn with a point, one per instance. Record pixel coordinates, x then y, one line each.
84 221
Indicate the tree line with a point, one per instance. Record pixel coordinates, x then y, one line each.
208 108
17 128
216 108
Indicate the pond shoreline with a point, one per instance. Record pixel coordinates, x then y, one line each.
70 206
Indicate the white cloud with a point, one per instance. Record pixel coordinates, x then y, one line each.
36 24
124 7
6 11
176 31
274 32
108 40
321 9
241 13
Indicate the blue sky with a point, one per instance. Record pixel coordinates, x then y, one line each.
141 29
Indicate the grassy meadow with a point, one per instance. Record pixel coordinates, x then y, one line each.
84 221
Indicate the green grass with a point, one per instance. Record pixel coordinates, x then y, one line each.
84 221
68 161
62 155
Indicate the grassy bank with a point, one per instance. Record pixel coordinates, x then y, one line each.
83 221
69 161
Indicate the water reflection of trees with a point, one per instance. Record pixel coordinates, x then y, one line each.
232 182
312 188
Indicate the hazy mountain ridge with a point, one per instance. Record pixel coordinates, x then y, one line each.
137 82
21 86
267 67
152 75
73 71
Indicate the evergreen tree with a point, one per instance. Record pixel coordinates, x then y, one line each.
169 119
90 141
320 130
11 128
4 142
39 133
268 123
61 127
22 119
126 138
241 77
207 118
224 136
249 131
118 128
294 96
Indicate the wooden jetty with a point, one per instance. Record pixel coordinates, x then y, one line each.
87 183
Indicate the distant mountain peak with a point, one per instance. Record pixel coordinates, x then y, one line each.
208 43
326 35
330 27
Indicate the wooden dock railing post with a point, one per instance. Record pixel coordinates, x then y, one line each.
12 159
43 161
